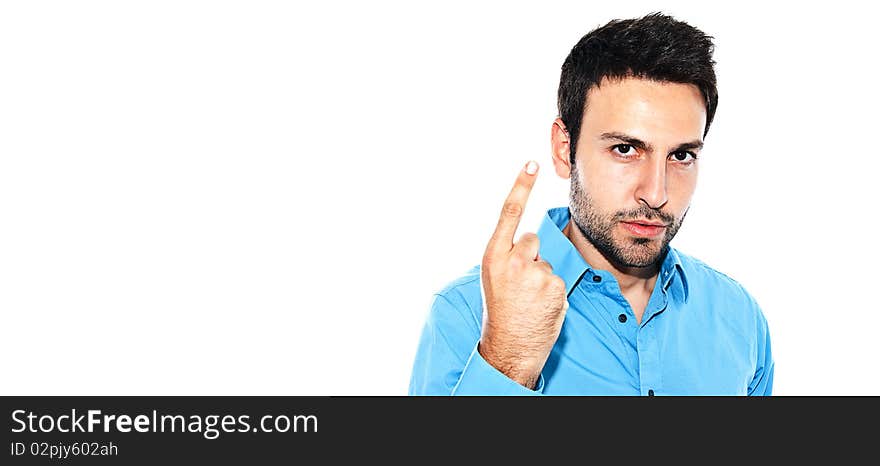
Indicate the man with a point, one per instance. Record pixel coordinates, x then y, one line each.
598 303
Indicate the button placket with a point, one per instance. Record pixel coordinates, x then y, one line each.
650 377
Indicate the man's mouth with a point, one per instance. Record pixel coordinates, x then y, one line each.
644 228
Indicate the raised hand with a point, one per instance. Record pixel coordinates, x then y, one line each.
524 302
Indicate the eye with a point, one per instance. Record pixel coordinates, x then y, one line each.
626 150
682 156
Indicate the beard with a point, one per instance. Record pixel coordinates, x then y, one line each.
599 229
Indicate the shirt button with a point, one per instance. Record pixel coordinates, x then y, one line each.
650 392
597 278
622 318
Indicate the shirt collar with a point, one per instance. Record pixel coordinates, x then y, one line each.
568 264
671 268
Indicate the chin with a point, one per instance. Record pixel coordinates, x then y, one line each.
646 253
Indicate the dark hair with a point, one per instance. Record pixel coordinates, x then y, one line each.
656 47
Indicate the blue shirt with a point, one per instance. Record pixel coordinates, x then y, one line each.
701 334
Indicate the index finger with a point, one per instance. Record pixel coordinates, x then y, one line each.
513 208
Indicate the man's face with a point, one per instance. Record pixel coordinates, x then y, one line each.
635 165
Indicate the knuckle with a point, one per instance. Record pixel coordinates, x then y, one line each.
516 262
529 238
511 209
557 284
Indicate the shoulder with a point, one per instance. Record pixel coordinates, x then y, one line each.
706 276
463 295
724 294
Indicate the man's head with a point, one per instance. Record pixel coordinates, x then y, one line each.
636 98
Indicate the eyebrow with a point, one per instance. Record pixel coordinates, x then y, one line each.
639 144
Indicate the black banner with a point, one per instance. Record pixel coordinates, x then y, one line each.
252 430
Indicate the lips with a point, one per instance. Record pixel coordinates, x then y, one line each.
644 228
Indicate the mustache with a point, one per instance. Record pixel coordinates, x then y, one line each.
644 212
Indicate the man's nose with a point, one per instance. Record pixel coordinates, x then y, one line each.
652 184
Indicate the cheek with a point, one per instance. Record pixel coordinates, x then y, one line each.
681 187
612 183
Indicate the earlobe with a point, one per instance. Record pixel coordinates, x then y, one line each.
561 149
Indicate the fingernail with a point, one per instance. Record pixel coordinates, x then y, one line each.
532 167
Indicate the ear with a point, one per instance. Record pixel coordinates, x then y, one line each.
561 149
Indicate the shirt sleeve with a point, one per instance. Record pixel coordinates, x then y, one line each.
762 382
447 361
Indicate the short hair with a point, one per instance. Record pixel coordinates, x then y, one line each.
655 47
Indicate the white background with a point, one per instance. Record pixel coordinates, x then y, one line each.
259 198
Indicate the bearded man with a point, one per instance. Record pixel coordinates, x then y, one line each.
598 302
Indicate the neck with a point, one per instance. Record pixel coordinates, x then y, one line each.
630 279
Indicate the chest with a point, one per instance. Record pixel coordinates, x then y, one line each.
676 351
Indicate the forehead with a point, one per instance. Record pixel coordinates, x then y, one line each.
661 112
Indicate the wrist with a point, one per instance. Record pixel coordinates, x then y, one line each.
522 370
